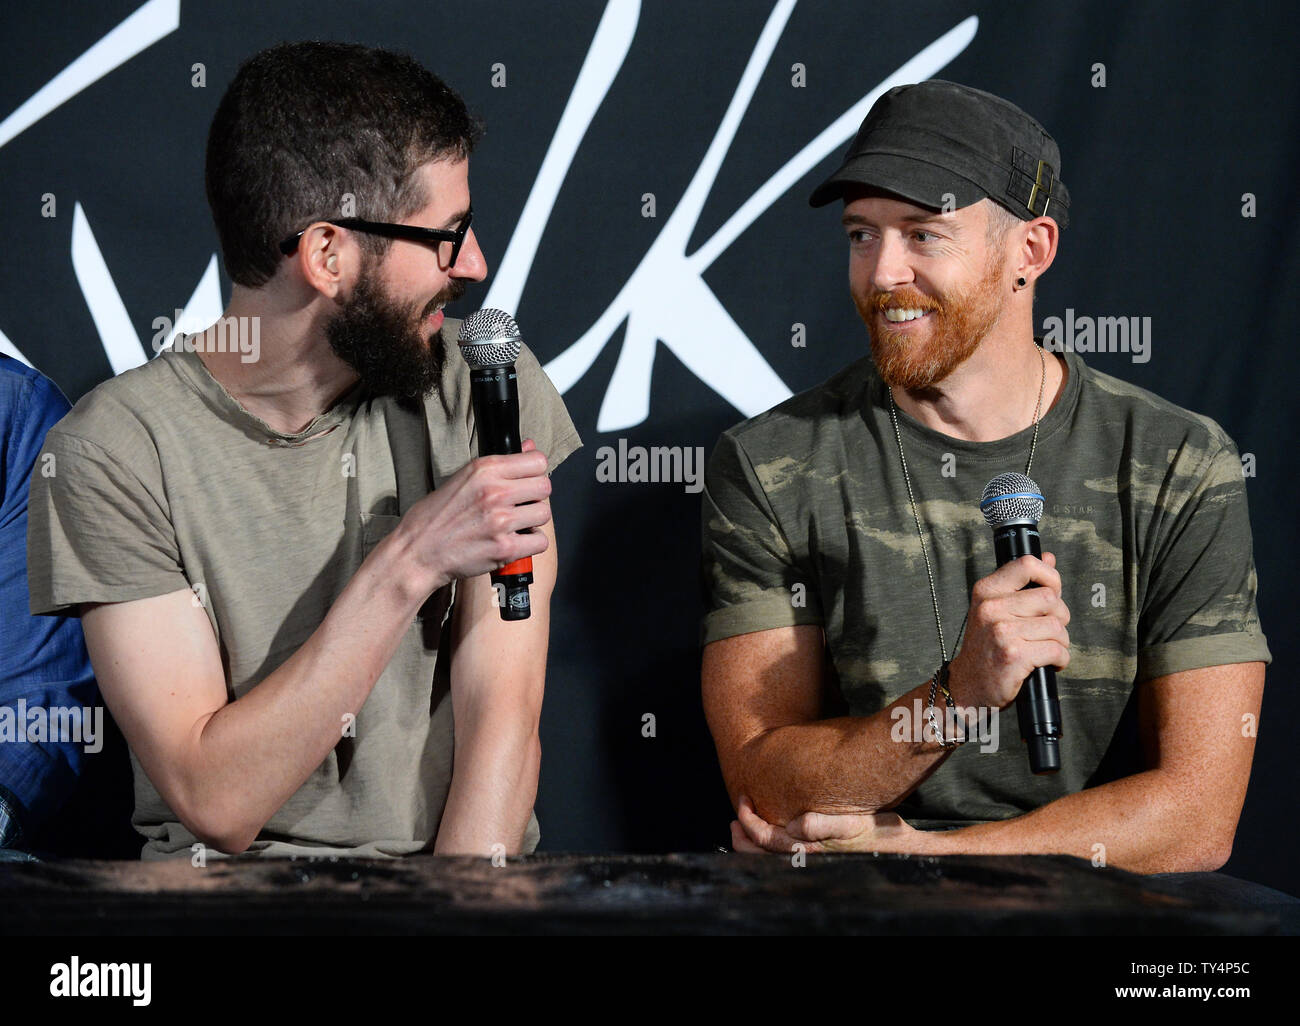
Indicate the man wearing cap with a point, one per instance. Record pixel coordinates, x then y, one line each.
846 557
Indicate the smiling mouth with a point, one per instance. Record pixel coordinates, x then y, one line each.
902 314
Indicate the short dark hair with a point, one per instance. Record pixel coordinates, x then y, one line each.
304 124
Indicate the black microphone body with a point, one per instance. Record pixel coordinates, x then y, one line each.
494 392
1012 505
490 343
1037 707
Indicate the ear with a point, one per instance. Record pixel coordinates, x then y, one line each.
326 258
1037 249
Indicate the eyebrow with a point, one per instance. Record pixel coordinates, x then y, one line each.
455 219
923 218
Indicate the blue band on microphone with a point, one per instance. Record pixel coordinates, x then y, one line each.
1011 495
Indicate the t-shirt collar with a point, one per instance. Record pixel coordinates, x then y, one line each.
1011 447
198 375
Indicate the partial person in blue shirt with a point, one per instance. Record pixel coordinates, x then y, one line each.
44 667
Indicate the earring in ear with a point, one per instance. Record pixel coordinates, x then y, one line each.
1020 283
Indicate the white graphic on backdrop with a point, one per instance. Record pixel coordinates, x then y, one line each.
9 349
695 325
112 321
121 344
604 58
137 33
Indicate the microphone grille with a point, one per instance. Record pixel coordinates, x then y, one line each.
1009 498
489 338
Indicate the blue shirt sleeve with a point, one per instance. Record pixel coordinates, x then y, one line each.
43 661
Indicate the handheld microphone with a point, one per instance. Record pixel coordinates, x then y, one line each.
1012 504
489 341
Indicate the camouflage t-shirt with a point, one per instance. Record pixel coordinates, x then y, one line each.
807 521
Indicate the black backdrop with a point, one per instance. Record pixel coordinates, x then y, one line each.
1199 108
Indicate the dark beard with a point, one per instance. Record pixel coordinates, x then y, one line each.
377 338
960 323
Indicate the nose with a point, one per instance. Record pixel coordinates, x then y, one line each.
470 262
892 268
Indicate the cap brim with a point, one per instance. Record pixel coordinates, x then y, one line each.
915 181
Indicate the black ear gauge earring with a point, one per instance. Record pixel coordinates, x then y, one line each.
1020 283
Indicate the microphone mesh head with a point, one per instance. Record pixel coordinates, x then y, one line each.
489 338
1009 498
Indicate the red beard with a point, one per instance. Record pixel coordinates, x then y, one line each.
956 327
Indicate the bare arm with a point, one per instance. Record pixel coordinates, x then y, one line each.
762 694
225 767
1180 814
762 691
498 673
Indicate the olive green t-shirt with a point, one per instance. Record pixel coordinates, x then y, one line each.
161 481
806 520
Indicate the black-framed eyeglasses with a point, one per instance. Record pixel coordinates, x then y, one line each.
456 236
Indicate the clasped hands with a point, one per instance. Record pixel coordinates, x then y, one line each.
826 832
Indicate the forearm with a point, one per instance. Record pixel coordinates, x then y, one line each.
498 681
1145 823
847 764
494 784
251 755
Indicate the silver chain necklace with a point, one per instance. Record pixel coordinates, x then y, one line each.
929 572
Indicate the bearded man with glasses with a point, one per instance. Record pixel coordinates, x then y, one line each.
281 562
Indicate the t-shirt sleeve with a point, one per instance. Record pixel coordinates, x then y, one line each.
1200 608
751 578
543 417
95 532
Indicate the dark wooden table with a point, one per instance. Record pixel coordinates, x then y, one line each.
623 894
